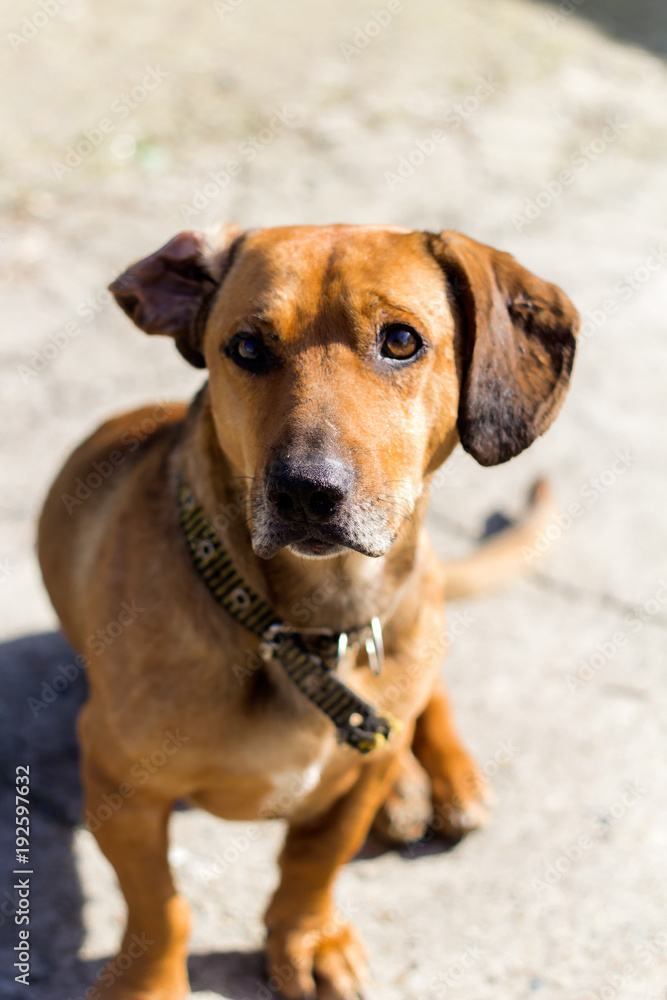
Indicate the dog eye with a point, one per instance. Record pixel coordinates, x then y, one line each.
248 351
401 343
249 348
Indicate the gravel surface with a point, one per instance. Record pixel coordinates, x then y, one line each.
559 680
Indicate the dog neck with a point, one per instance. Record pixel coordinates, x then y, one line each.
341 592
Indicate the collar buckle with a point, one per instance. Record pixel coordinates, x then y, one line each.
272 639
375 647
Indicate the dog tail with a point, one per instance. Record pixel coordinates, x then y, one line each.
506 554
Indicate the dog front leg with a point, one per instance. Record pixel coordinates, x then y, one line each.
460 792
313 951
132 833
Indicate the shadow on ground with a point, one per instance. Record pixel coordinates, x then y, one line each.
639 22
43 690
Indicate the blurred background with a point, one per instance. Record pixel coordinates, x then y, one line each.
123 123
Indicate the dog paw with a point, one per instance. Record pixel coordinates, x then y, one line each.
405 815
462 797
327 963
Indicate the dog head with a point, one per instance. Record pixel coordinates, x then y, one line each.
346 362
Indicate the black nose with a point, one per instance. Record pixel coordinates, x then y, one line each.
308 490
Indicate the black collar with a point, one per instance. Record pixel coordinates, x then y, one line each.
307 656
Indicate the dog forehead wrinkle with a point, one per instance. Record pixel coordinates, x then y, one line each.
332 283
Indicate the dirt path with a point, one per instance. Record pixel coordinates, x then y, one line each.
122 124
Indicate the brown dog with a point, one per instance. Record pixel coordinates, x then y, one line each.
344 365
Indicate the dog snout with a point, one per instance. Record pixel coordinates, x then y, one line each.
311 491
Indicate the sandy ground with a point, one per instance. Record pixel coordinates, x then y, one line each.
559 680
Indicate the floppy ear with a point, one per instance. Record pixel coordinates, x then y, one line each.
518 349
171 291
